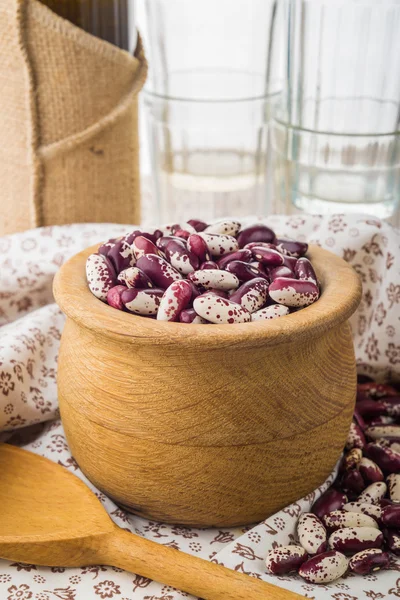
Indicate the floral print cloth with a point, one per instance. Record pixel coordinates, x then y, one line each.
30 331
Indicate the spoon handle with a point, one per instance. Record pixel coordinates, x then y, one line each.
191 574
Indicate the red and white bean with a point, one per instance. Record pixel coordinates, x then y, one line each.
142 302
100 275
285 559
270 312
175 299
324 568
354 539
293 292
213 308
368 561
311 533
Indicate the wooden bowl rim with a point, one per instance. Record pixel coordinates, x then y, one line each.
341 294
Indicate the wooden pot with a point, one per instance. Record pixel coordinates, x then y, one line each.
207 425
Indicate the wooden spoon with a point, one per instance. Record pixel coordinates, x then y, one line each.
50 517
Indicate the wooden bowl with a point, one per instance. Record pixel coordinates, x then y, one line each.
207 425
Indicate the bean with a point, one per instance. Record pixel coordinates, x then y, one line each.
355 438
159 270
224 227
354 539
252 295
142 246
292 292
219 245
182 233
338 519
358 419
114 297
290 261
393 483
252 245
304 270
370 560
281 271
352 482
214 278
197 224
368 509
175 299
386 458
268 256
285 559
311 533
370 471
142 302
181 258
198 246
130 237
244 272
371 408
270 312
219 310
105 248
291 247
377 390
242 255
189 315
100 275
352 459
383 431
133 277
382 420
208 264
255 233
122 256
391 516
392 539
324 568
373 493
163 241
330 500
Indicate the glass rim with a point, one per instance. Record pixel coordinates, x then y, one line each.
183 99
289 125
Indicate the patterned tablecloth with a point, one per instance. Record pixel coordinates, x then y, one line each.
29 340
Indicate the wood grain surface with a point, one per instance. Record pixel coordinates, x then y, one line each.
207 425
50 517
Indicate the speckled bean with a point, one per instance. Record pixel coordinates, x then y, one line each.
281 271
214 278
330 500
243 255
100 274
324 568
377 390
244 271
114 297
292 292
292 247
354 539
142 246
386 458
255 233
180 257
371 408
161 273
219 245
393 483
392 539
219 310
367 509
383 431
352 459
304 270
105 248
163 241
224 228
352 482
189 315
122 256
373 493
252 245
133 277
270 312
252 295
175 299
391 516
197 224
368 561
370 471
268 256
311 533
355 437
198 246
338 519
142 302
285 559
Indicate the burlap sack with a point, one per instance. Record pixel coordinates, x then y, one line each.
68 122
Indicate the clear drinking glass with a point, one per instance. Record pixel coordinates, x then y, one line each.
336 134
214 73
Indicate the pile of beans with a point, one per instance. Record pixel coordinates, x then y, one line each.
359 515
199 273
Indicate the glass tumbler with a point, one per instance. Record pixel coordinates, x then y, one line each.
336 133
214 75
